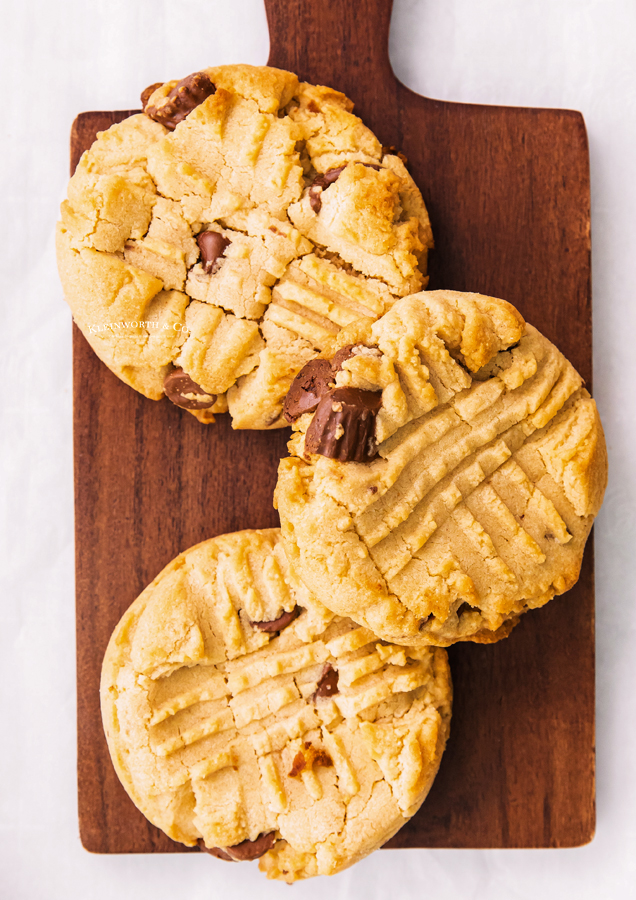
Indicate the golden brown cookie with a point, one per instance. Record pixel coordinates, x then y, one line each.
446 471
244 716
229 232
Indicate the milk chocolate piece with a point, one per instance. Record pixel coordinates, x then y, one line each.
182 99
185 392
331 175
343 425
328 684
341 355
347 352
245 851
148 92
311 383
279 623
214 851
212 246
318 185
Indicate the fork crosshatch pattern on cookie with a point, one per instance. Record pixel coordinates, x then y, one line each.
243 716
464 495
230 232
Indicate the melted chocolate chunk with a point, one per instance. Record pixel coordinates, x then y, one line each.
148 92
279 623
245 851
182 99
299 764
341 355
328 684
343 425
314 198
331 175
212 246
308 387
185 392
214 851
318 185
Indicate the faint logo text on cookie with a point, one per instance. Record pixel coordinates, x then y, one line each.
136 325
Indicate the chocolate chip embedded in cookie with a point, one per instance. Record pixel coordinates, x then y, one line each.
278 624
215 851
343 425
328 683
226 735
489 465
201 207
185 392
212 246
147 93
243 852
185 96
318 185
307 389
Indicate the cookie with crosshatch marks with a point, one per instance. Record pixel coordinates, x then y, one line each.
229 231
444 474
243 716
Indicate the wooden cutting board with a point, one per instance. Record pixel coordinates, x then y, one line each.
508 194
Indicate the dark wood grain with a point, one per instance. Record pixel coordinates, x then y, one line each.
508 193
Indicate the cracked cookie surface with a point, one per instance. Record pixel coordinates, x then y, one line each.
244 716
312 223
488 468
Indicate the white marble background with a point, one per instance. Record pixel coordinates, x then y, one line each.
57 58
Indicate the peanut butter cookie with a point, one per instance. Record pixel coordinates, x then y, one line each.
243 716
447 467
228 232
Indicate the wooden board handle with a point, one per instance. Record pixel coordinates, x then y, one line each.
333 42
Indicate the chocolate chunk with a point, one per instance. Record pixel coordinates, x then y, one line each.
245 851
314 198
299 764
328 684
212 246
347 352
331 175
311 383
341 355
318 185
343 425
185 392
215 851
279 623
182 99
147 93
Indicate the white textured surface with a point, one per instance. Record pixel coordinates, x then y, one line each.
59 58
